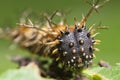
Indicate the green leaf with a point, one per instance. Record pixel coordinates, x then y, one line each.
101 73
24 73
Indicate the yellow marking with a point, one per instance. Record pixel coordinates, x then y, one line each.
90 56
82 49
86 56
97 42
96 49
57 58
64 53
95 34
81 42
71 44
73 51
79 60
91 28
53 43
94 56
55 51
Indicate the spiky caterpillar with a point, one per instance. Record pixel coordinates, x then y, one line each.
72 45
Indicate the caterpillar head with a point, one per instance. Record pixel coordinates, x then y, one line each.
76 47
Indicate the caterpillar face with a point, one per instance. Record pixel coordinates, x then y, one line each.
76 47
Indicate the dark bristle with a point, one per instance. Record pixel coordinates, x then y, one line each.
67 32
79 30
91 48
61 41
93 41
83 27
88 35
62 32
76 26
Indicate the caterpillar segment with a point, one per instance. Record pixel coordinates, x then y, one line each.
36 40
29 37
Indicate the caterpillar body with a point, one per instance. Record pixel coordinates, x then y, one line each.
71 45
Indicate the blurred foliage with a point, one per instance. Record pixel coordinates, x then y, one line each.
11 11
99 73
22 74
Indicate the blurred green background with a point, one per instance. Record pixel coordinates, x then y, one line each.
109 15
